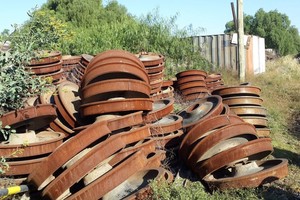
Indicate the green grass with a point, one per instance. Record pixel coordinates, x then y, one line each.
280 86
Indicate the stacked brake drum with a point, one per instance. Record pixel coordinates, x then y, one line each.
191 84
245 101
47 65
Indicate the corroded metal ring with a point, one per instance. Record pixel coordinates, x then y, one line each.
191 72
167 124
192 85
200 129
161 108
47 142
45 69
94 157
141 88
243 90
150 59
118 54
249 110
194 90
47 57
201 110
265 172
114 71
69 149
116 105
190 78
249 151
243 100
206 147
30 118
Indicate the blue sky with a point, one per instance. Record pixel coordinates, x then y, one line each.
211 15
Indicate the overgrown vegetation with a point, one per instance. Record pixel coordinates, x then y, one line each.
98 28
275 27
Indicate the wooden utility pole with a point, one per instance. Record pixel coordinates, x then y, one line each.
234 16
241 50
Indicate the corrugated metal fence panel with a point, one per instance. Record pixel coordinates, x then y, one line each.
218 50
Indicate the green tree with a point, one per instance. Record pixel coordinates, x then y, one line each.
275 27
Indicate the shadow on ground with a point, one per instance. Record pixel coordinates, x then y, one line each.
292 157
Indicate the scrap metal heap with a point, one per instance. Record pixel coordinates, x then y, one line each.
106 131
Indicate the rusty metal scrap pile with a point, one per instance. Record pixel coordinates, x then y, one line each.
107 130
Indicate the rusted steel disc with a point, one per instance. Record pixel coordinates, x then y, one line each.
59 123
23 167
226 110
94 157
46 57
243 100
258 122
68 149
220 140
196 96
70 60
45 69
246 152
81 68
167 124
148 146
161 108
156 84
55 76
194 90
115 159
139 89
214 85
155 90
86 59
78 71
190 78
135 183
113 178
167 92
243 90
150 59
249 110
30 118
192 85
201 110
58 126
156 76
114 71
119 122
200 130
167 83
254 175
74 79
46 142
69 95
118 54
155 69
213 78
64 117
168 140
112 61
263 132
116 105
192 72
